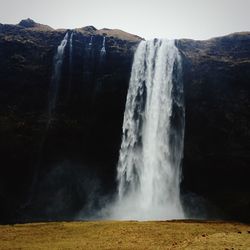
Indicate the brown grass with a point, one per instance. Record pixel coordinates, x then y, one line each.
126 235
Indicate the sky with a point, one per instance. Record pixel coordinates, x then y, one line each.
196 19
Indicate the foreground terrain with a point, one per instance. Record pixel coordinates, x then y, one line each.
126 235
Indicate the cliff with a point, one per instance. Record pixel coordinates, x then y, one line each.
50 172
217 97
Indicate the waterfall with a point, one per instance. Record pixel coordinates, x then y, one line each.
71 50
70 63
103 50
91 41
148 170
53 91
56 76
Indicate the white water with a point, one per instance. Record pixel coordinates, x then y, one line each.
56 76
91 41
103 50
152 149
71 49
70 64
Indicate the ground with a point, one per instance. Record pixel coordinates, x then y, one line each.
126 235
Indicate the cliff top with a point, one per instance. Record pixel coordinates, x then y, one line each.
120 34
229 48
29 24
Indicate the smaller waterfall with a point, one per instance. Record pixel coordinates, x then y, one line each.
53 92
71 49
70 63
91 41
56 76
103 50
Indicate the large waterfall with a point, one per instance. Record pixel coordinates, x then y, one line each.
153 130
56 76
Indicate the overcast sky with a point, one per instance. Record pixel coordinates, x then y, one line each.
197 19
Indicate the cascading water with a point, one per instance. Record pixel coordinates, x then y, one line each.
53 91
71 49
153 131
101 67
91 41
70 63
56 76
103 50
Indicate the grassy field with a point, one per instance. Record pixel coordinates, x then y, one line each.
126 235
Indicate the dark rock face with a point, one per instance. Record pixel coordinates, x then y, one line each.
52 172
217 139
49 167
